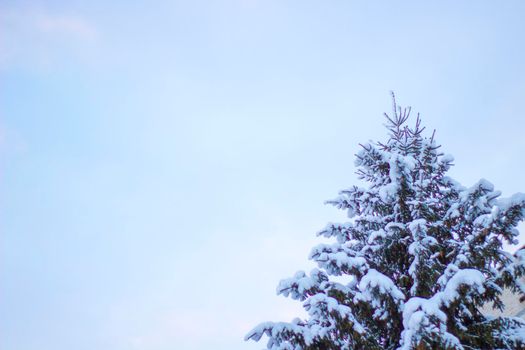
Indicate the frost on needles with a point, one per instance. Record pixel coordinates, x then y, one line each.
423 254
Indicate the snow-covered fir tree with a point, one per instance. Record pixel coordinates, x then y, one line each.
423 254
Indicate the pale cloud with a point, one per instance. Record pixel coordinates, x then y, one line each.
66 25
37 38
11 141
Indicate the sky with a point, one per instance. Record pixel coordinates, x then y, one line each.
165 163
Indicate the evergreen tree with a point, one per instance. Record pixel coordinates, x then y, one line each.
423 254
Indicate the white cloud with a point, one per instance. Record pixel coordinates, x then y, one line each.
69 25
39 38
11 141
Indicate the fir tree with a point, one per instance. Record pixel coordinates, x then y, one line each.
423 254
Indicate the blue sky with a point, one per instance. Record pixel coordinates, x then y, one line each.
165 163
